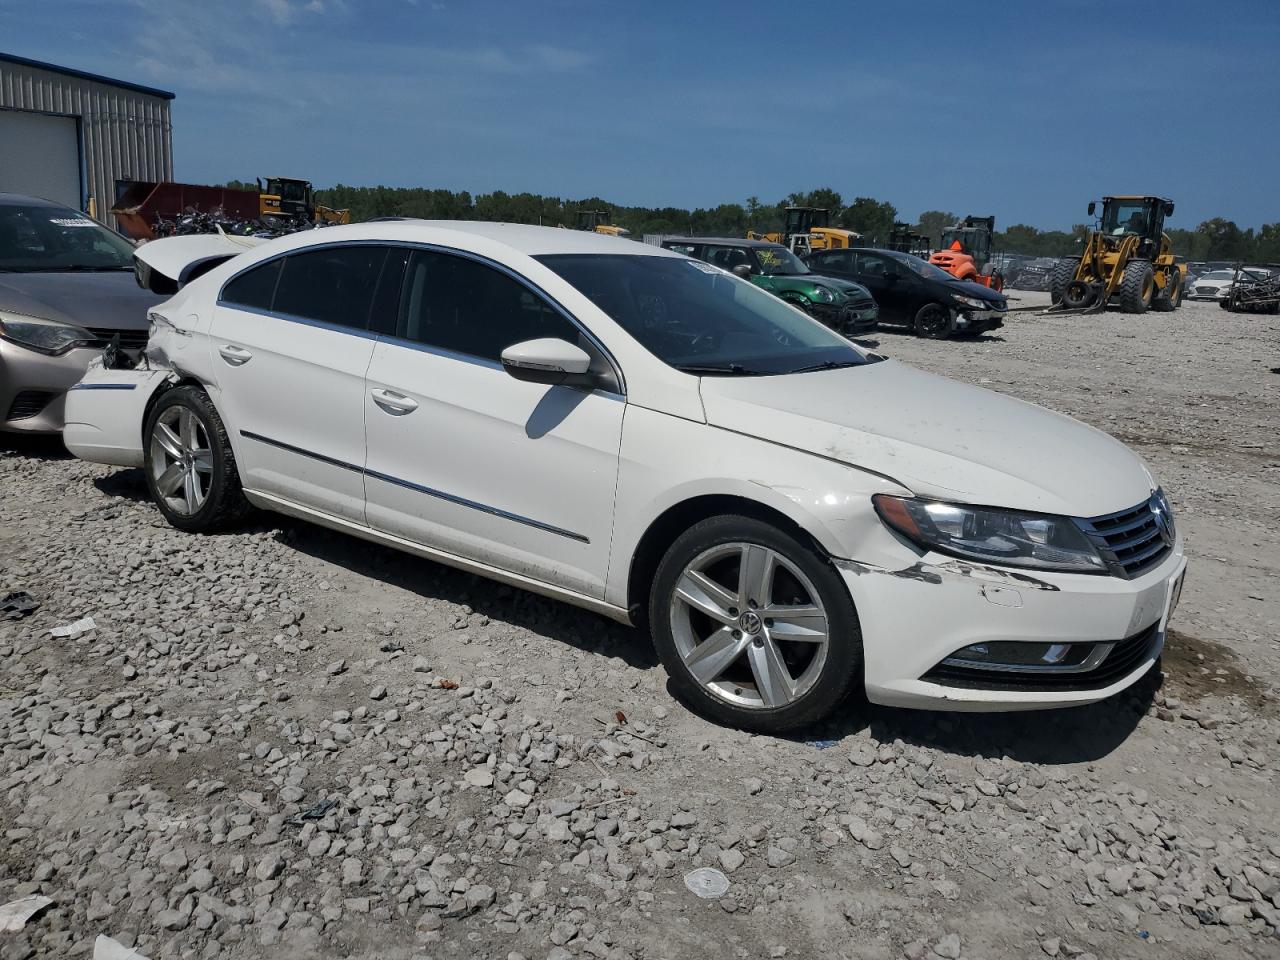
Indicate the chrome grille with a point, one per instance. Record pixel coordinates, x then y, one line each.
129 339
1134 540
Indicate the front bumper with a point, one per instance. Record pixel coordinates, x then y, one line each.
916 616
846 319
33 386
978 321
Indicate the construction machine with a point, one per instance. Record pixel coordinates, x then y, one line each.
905 240
295 199
1127 256
597 221
809 228
965 252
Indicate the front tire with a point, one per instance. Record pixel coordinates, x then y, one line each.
933 321
1064 271
190 467
754 626
1137 286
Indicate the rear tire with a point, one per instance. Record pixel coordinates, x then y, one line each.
756 672
1064 271
190 467
1170 298
933 321
1137 287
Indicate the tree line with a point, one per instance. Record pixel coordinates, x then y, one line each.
1215 239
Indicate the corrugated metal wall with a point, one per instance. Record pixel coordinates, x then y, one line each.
124 133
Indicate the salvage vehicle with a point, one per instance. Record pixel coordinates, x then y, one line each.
1036 274
66 293
1217 284
842 305
914 293
652 438
1128 259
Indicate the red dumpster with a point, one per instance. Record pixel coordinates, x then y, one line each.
142 202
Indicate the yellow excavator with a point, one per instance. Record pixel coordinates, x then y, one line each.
289 197
597 221
809 228
1127 258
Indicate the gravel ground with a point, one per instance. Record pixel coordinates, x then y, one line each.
288 743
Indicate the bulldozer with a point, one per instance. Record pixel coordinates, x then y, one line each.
809 228
1127 257
965 252
295 199
597 221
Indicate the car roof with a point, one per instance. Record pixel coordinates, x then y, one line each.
723 241
523 238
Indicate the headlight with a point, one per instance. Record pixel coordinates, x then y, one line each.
971 302
823 295
1007 537
43 336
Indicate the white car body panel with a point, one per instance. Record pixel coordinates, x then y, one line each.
178 257
488 473
293 394
520 474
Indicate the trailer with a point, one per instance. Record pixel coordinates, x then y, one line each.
141 204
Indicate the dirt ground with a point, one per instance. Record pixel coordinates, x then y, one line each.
284 742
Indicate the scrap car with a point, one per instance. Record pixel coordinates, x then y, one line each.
789 515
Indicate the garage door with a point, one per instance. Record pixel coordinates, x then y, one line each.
40 156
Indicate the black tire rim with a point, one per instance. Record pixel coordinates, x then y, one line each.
933 321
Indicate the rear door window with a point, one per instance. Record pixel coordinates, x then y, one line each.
332 285
254 288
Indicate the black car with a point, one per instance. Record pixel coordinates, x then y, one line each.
1035 274
843 306
915 293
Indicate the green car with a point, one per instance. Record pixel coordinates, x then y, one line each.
842 305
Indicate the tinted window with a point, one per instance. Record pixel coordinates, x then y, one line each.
254 288
385 314
702 320
333 284
460 305
841 260
726 258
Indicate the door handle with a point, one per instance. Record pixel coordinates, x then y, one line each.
396 404
236 356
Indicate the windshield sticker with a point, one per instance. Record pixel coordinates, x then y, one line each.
704 267
769 258
77 222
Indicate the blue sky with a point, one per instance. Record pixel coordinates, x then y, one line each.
1024 109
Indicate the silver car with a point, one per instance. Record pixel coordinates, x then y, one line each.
66 289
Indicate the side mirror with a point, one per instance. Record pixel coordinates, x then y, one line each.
548 360
1092 207
742 270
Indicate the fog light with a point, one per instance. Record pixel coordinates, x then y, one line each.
1010 655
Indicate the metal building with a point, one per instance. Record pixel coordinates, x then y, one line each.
68 136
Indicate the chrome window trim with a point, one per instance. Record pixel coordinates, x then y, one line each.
435 248
418 488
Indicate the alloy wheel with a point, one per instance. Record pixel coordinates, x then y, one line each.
749 625
181 460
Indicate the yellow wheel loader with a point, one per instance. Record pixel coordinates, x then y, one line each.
1127 259
597 221
809 228
289 197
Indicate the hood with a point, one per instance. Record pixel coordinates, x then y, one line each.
850 288
937 437
108 300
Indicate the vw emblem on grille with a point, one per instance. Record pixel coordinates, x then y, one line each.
1163 525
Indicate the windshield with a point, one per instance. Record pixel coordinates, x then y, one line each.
702 320
780 262
1120 218
40 238
1219 275
920 267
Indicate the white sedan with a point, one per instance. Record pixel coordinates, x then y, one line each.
1216 284
649 437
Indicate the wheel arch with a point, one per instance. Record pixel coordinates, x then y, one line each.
673 521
